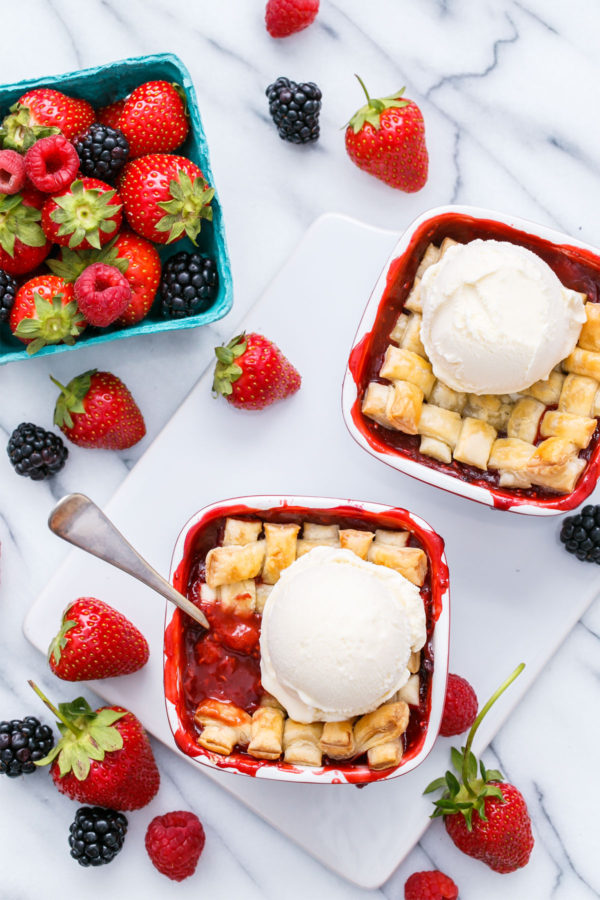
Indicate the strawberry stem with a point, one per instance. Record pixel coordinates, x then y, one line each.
478 722
76 731
57 383
362 84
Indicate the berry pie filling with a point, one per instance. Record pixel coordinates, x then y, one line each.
484 360
319 650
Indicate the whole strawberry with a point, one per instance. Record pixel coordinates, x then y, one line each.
41 112
484 816
460 706
96 409
386 138
96 641
110 115
23 244
432 885
86 214
104 757
174 843
166 197
45 312
284 17
252 372
154 118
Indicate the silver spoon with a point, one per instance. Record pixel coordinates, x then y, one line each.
79 521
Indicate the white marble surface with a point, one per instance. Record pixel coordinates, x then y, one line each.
509 91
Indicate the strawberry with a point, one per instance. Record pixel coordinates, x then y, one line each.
165 197
104 757
45 312
154 118
386 138
485 817
284 17
96 641
95 409
86 214
42 112
23 244
110 115
460 706
133 255
251 372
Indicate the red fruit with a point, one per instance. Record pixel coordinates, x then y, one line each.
52 164
486 819
252 372
460 706
430 886
174 843
23 244
110 115
386 138
285 17
12 172
95 409
102 294
45 312
154 118
165 197
96 641
42 112
86 214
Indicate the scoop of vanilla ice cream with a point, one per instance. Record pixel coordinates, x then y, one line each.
496 318
336 635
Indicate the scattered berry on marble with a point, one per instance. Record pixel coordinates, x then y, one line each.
8 292
12 172
97 410
154 118
102 293
485 817
581 534
460 706
104 757
252 372
22 743
285 17
295 109
189 284
386 138
86 214
23 244
51 164
110 115
35 452
166 197
96 641
45 312
41 112
96 835
102 151
174 843
432 885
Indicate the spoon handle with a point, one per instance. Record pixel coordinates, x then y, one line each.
79 521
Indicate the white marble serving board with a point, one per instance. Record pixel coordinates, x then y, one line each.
515 593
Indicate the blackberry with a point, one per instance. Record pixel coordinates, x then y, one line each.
188 285
581 534
35 452
8 290
295 109
96 835
22 741
102 151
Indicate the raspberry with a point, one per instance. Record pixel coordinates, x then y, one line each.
102 293
174 843
460 707
430 886
12 172
51 164
285 17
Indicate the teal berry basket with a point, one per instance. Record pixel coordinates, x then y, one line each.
103 85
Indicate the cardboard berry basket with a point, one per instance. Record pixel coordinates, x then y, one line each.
103 85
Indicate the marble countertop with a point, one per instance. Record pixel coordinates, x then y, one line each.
509 91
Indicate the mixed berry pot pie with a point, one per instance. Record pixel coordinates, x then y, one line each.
476 366
326 658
